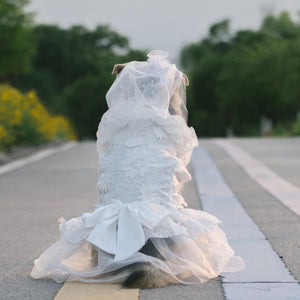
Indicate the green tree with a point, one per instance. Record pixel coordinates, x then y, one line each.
16 45
84 99
238 78
65 55
85 104
71 71
281 26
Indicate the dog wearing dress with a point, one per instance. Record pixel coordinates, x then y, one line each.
141 232
145 275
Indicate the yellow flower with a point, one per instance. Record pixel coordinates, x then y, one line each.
3 133
24 119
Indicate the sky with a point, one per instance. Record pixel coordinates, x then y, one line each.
159 24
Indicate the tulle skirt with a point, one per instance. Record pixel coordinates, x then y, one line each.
193 253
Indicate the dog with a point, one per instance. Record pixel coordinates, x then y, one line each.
144 275
176 106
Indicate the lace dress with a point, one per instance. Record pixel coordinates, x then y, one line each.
143 152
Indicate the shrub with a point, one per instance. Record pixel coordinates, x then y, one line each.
295 129
24 120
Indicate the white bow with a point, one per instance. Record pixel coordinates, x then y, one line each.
118 226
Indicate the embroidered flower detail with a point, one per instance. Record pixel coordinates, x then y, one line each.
150 193
160 134
166 228
103 183
135 168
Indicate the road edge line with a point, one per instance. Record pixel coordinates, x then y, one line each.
18 163
287 193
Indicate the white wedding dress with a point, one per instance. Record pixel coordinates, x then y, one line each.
144 145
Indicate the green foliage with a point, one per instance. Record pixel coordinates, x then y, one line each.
16 45
235 78
238 78
296 128
84 103
287 128
71 71
220 32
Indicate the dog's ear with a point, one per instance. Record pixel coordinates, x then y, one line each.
186 79
118 68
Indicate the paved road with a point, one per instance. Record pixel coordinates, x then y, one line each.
32 199
34 196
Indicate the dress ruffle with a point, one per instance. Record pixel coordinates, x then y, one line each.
193 247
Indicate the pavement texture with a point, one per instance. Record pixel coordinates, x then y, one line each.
32 199
282 155
280 225
23 151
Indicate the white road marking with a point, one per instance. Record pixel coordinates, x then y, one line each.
265 275
18 163
281 189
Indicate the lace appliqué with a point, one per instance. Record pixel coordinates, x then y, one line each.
137 167
165 229
159 132
151 193
103 183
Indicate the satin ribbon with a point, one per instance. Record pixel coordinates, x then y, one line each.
117 227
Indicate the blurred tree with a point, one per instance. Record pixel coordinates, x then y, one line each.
238 78
85 98
71 71
203 62
65 55
85 103
281 26
220 32
16 45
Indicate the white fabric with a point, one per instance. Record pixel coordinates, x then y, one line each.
143 152
132 215
156 84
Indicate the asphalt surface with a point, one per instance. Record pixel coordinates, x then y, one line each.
280 225
282 155
33 197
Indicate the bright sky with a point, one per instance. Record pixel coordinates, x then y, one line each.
159 24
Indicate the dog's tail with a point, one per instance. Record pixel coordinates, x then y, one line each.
146 276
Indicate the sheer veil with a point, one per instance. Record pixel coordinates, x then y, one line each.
156 83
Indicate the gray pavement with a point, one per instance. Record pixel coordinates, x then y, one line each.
280 225
33 197
282 155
